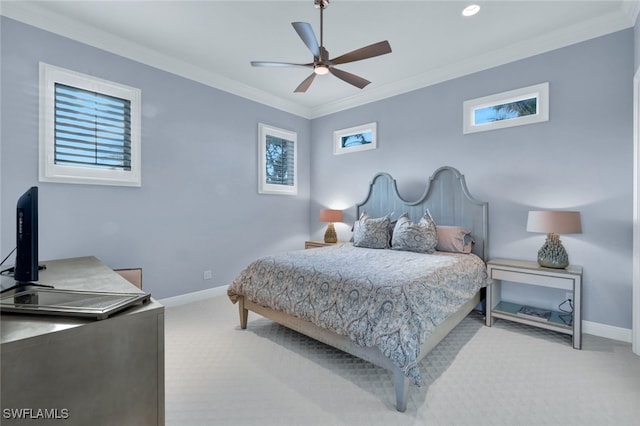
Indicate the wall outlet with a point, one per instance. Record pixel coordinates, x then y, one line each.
207 275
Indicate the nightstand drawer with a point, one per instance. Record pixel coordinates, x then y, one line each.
532 278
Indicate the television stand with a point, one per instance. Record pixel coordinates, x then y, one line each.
100 373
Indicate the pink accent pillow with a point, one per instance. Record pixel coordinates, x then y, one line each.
455 239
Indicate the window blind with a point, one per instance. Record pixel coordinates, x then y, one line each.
280 161
91 129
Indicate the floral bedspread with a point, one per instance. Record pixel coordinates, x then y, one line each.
385 298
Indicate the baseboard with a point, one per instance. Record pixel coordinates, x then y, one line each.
608 331
194 297
588 327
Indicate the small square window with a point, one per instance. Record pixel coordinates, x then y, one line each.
89 129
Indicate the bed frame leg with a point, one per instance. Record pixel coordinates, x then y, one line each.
401 382
244 313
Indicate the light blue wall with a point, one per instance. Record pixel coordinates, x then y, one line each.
580 159
198 208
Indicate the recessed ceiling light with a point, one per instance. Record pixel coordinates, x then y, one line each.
471 10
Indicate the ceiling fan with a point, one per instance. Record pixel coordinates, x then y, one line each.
321 63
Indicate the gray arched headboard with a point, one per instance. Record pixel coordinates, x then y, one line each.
446 197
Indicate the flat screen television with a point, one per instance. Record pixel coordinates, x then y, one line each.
26 264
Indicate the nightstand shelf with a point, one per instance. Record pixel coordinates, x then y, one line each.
530 273
561 322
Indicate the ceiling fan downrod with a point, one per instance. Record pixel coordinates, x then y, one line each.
321 4
321 67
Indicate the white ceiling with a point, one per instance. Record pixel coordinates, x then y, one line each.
213 41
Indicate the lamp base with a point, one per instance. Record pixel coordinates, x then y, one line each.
552 254
330 235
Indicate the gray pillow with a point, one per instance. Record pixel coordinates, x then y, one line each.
372 232
418 237
392 225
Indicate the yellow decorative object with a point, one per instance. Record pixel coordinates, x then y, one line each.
330 235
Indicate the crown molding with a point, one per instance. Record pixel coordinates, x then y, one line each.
632 9
31 14
605 24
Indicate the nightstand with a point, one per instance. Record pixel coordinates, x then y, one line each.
317 243
530 273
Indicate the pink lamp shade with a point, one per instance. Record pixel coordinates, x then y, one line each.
553 254
328 215
554 222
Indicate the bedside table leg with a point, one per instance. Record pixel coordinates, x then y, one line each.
577 344
577 331
577 313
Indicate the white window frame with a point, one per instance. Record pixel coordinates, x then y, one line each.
539 91
339 135
51 172
268 188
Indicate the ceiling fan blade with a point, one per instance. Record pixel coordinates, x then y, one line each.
353 79
278 64
376 49
305 84
307 35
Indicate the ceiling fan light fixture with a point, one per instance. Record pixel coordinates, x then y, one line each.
471 10
321 69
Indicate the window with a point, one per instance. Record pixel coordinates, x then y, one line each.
277 150
514 108
359 138
89 129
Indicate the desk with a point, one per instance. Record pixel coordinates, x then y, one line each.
83 372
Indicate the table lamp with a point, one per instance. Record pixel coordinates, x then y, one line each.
328 215
552 254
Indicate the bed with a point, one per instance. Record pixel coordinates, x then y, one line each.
388 306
